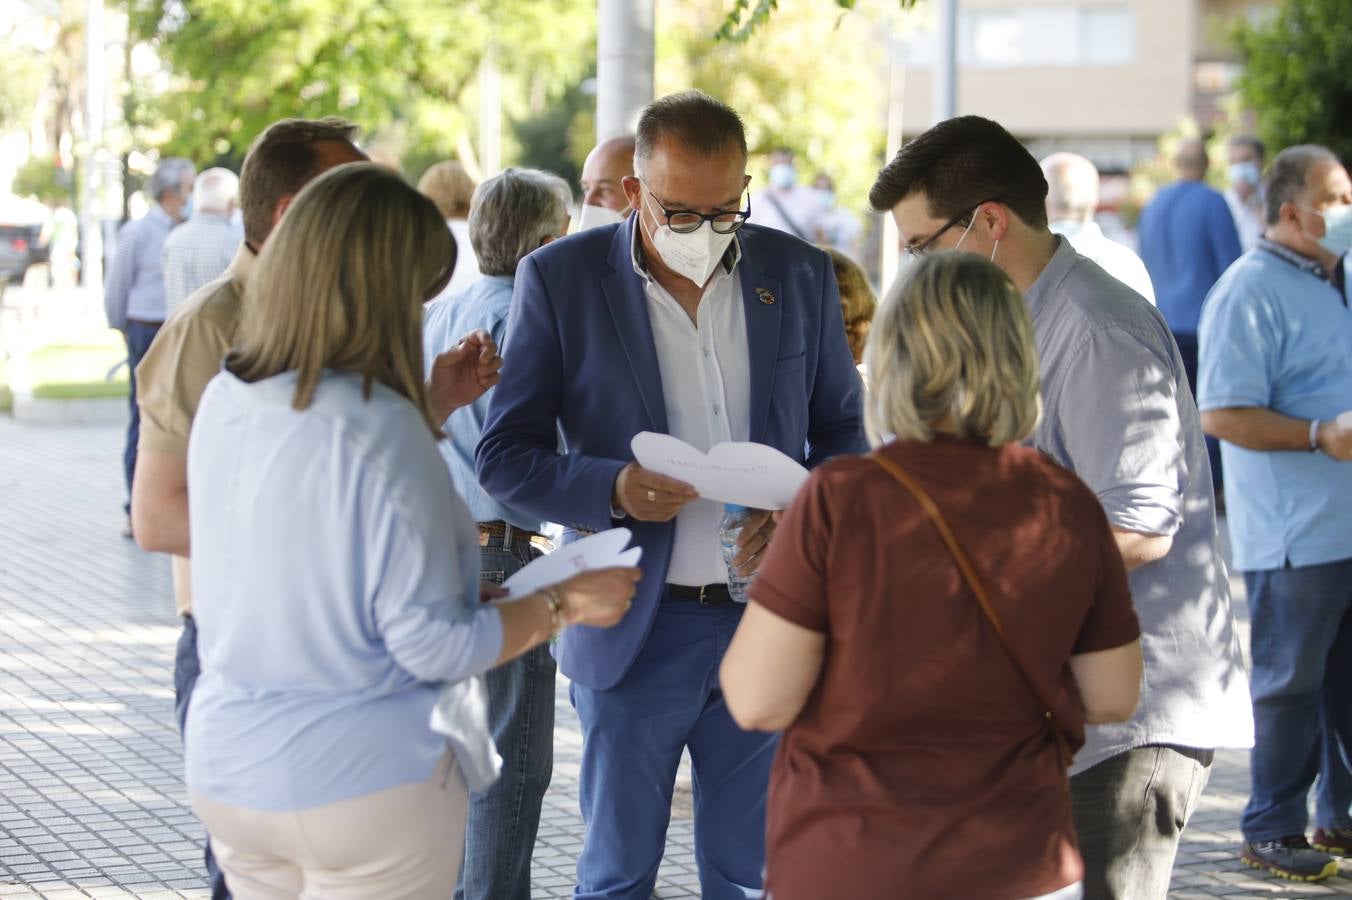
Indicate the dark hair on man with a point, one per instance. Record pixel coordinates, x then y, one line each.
961 163
692 119
1250 142
1289 175
282 161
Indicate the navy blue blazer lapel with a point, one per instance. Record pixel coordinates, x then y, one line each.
762 297
623 290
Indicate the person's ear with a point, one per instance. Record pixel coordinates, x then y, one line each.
633 190
996 216
280 209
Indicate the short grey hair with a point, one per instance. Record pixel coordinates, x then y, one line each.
215 189
692 119
511 213
169 177
1289 175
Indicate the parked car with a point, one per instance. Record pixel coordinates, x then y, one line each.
20 247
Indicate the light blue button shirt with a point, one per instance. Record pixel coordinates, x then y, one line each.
134 288
1118 412
484 304
335 587
1276 335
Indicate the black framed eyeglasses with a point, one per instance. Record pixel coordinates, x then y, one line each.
917 250
685 221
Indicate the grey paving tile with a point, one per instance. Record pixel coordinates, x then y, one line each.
91 799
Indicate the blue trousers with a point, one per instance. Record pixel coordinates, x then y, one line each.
1302 698
504 820
139 336
633 736
187 666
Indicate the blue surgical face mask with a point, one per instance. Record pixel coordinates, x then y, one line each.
783 175
1337 237
1245 173
186 212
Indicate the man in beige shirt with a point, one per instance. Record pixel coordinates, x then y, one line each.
188 351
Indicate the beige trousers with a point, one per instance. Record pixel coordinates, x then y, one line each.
405 843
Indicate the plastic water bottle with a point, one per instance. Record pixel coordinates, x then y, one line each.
734 517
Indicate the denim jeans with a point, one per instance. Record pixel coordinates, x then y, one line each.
187 667
139 336
504 819
1302 698
1130 811
632 738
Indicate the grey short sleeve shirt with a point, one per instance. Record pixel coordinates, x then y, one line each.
1119 413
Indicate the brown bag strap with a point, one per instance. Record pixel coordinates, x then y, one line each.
974 582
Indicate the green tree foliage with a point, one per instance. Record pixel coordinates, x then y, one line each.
813 79
746 16
1297 74
237 66
44 179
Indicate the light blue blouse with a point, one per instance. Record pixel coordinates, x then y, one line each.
335 587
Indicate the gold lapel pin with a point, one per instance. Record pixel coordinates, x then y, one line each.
766 296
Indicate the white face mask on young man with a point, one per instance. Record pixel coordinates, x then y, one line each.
968 230
694 255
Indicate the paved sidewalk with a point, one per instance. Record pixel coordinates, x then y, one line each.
91 799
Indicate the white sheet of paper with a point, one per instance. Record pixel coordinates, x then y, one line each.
753 475
596 551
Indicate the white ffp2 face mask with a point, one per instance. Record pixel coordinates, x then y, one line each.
694 255
1337 237
593 216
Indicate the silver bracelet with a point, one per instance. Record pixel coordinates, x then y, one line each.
1314 435
555 603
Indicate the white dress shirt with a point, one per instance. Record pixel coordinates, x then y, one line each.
799 204
1249 224
1118 260
706 382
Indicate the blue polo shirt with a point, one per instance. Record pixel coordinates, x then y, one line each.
1277 334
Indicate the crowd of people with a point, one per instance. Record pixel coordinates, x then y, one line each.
988 651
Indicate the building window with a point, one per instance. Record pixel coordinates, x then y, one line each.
1046 35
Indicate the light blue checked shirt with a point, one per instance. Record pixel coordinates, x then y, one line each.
195 253
134 288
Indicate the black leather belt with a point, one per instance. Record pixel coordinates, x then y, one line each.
704 595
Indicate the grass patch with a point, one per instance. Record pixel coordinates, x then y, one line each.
90 390
83 363
73 370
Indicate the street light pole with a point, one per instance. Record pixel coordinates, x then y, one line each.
625 59
91 188
946 61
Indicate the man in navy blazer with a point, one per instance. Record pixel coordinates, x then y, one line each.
678 320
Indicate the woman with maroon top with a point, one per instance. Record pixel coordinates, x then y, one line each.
932 670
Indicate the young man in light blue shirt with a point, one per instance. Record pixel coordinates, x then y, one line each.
1118 412
1276 373
511 215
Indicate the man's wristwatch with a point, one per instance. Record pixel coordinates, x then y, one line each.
1314 435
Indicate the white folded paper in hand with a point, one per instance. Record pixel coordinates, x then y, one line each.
1344 419
602 550
752 475
461 714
